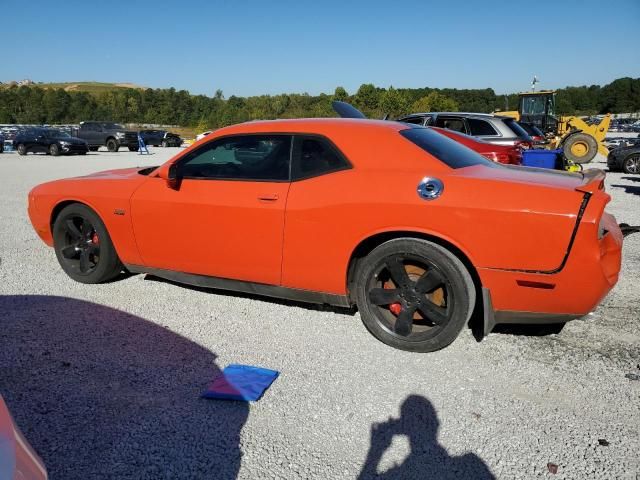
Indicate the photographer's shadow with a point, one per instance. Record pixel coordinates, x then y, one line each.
427 459
101 393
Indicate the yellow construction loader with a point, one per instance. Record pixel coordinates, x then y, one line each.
579 141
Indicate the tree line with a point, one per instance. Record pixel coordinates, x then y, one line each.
37 105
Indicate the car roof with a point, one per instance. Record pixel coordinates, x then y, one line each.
458 114
311 125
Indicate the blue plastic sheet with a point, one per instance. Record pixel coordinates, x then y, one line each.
241 382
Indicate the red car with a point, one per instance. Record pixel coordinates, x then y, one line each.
507 154
413 228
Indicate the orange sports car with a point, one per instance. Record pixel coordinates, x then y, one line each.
413 228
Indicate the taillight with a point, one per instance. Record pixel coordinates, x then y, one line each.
498 157
523 144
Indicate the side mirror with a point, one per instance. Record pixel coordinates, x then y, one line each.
171 175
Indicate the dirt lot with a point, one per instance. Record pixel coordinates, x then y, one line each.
105 380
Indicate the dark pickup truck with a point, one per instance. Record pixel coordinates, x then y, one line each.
108 134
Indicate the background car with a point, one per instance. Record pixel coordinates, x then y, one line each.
490 128
1 143
49 140
413 244
507 154
200 136
626 159
159 138
108 134
534 132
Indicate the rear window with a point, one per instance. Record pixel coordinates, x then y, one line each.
444 149
480 127
517 129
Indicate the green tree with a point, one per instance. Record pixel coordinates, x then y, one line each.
393 102
340 94
435 102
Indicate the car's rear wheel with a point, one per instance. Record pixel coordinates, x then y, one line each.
414 295
54 150
112 145
22 149
83 246
631 164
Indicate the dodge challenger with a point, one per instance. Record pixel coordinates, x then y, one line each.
412 228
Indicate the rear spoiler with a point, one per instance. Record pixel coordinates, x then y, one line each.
592 181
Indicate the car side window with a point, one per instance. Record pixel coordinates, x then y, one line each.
479 127
455 124
314 156
246 157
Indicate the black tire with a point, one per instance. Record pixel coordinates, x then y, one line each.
133 149
112 145
585 147
93 149
631 164
448 298
54 150
83 246
22 149
165 144
1 147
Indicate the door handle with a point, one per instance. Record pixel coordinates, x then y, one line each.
268 197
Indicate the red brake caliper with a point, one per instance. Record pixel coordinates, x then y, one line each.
395 308
94 238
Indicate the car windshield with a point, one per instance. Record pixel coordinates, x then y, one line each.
517 129
448 151
52 133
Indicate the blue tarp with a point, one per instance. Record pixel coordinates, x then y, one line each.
240 382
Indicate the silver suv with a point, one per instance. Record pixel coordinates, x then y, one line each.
487 127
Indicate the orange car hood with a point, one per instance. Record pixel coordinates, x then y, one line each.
115 174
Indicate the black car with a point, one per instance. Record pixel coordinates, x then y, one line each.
48 140
160 138
626 159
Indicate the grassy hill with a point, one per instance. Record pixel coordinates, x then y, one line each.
91 87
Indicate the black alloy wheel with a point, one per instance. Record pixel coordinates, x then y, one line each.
81 249
22 150
414 295
83 246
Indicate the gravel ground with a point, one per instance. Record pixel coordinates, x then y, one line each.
105 380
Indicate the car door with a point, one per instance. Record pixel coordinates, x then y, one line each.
225 218
38 141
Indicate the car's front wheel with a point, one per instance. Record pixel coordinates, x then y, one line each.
414 295
631 164
83 246
22 149
54 150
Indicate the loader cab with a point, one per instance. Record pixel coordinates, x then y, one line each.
539 109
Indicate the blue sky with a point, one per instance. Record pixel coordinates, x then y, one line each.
250 47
